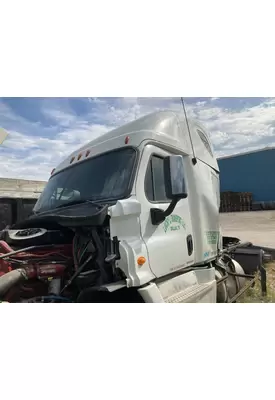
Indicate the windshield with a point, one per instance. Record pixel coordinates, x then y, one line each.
104 177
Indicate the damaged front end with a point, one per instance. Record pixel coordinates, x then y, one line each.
63 255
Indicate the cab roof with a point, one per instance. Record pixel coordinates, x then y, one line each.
166 127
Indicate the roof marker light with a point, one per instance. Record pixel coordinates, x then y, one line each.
79 157
52 171
72 160
126 141
88 152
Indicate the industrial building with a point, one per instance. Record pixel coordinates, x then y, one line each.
20 188
252 172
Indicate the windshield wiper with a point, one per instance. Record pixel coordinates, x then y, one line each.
72 203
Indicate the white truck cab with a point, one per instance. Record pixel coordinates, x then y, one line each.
159 179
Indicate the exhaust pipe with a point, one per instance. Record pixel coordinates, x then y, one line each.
12 278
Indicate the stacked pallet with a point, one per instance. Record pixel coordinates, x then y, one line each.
236 201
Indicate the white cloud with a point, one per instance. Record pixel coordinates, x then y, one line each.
32 157
26 155
84 133
60 117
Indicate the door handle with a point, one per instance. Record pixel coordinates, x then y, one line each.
189 241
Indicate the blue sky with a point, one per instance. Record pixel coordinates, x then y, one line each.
43 131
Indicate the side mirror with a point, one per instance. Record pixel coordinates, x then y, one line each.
174 187
174 178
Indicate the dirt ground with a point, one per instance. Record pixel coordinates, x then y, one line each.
257 227
254 295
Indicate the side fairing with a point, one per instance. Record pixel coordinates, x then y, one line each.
204 207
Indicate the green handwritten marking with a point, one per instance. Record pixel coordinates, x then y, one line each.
173 223
212 237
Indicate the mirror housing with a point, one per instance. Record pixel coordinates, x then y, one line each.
174 187
174 178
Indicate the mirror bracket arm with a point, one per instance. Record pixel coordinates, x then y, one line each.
158 216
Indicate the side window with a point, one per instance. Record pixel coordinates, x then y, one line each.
205 142
154 180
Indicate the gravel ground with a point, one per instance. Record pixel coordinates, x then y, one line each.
257 227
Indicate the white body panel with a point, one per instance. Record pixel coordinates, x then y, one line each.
197 286
125 224
203 183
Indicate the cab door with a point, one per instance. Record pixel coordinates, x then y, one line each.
170 245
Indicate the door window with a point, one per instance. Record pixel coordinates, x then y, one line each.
154 180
